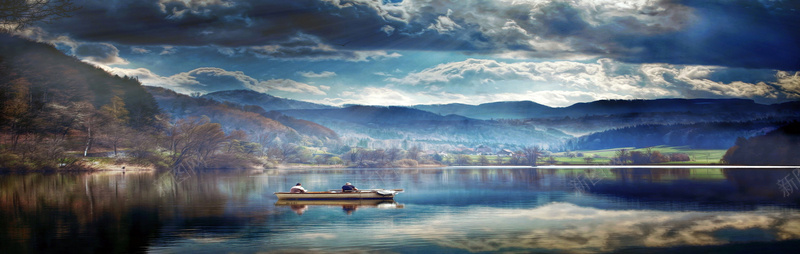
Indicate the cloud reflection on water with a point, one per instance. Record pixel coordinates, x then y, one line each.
565 226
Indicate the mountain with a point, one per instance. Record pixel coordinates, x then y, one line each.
265 101
695 106
231 118
256 122
598 116
387 126
529 110
494 110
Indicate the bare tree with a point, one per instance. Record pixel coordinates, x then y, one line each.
195 139
413 153
532 154
394 154
483 160
17 14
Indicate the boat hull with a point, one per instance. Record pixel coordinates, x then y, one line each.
341 202
321 195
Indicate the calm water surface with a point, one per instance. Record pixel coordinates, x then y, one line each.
450 210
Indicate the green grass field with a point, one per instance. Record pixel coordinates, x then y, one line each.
698 156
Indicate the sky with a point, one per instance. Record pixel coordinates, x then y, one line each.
408 52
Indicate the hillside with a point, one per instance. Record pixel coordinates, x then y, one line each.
265 101
709 135
598 116
402 123
55 108
528 110
258 127
50 76
495 110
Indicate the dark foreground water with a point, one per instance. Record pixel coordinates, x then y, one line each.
451 210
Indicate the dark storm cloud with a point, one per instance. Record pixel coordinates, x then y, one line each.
745 34
224 23
750 34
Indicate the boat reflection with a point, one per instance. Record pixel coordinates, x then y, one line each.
348 206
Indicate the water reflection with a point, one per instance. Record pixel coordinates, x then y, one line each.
565 226
348 206
443 210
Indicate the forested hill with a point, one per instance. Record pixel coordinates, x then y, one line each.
391 124
250 119
265 101
48 76
528 110
778 147
708 135
376 115
495 110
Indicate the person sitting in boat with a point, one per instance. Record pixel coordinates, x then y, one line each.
297 189
349 188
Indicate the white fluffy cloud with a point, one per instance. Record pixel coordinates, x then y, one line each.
375 96
694 81
311 74
789 83
447 72
558 82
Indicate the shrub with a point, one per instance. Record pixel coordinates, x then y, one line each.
679 157
405 163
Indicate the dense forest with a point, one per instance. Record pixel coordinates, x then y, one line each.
778 147
707 135
54 104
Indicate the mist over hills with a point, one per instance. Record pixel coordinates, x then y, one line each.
256 122
525 123
395 124
528 109
265 101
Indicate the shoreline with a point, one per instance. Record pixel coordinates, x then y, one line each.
139 168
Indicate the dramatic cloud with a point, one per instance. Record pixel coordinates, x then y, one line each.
789 83
425 51
603 78
102 53
209 79
309 47
726 33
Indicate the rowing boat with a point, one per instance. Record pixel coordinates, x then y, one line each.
379 203
338 194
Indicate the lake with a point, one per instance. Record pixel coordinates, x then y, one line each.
443 210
